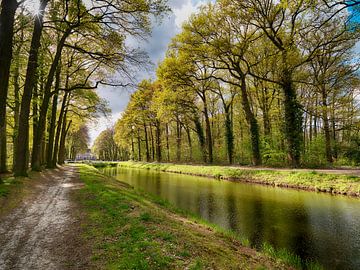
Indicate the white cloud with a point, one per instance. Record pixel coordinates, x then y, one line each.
101 124
183 12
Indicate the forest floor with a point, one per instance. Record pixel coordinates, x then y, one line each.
77 218
40 222
335 181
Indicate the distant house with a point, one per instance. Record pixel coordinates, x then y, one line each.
86 156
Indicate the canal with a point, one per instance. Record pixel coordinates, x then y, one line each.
315 226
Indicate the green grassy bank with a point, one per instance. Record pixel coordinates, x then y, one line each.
129 230
306 180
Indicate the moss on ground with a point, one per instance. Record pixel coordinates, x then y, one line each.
130 231
307 180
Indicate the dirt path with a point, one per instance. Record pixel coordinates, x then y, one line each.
44 232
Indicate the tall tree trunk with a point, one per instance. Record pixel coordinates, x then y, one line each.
139 145
158 140
178 140
208 132
333 124
58 129
229 135
167 142
152 143
17 96
254 127
200 133
266 123
49 154
7 19
190 143
293 119
132 146
326 126
146 144
39 135
21 160
62 148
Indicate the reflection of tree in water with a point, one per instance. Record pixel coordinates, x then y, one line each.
299 232
231 208
256 237
210 202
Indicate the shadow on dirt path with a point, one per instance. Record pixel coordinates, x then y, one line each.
44 232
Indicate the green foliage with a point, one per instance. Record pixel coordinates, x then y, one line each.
104 164
352 152
289 258
315 153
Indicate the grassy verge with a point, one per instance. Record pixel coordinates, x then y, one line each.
129 230
311 180
13 191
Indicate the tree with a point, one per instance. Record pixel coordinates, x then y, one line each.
7 19
21 155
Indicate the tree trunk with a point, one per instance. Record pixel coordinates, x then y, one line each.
16 97
200 132
58 129
132 146
62 149
293 120
146 144
208 132
326 127
152 144
139 145
254 127
49 154
167 142
158 141
7 19
190 143
178 141
229 135
21 160
39 135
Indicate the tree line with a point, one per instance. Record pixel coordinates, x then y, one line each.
52 60
252 82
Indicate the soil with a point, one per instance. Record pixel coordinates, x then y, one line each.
44 231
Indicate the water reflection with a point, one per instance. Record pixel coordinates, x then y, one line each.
314 226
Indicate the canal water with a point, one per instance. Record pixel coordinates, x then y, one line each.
318 227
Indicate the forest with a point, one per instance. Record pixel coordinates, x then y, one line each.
53 56
238 149
250 82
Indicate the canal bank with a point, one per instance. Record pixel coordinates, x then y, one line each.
328 181
131 230
314 226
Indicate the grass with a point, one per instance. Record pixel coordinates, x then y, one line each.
5 186
129 230
13 190
104 164
307 180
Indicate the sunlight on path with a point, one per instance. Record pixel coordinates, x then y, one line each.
31 236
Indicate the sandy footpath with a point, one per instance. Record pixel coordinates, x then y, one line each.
44 232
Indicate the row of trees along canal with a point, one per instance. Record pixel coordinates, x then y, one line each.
51 61
250 82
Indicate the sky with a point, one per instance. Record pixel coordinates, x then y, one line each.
156 47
